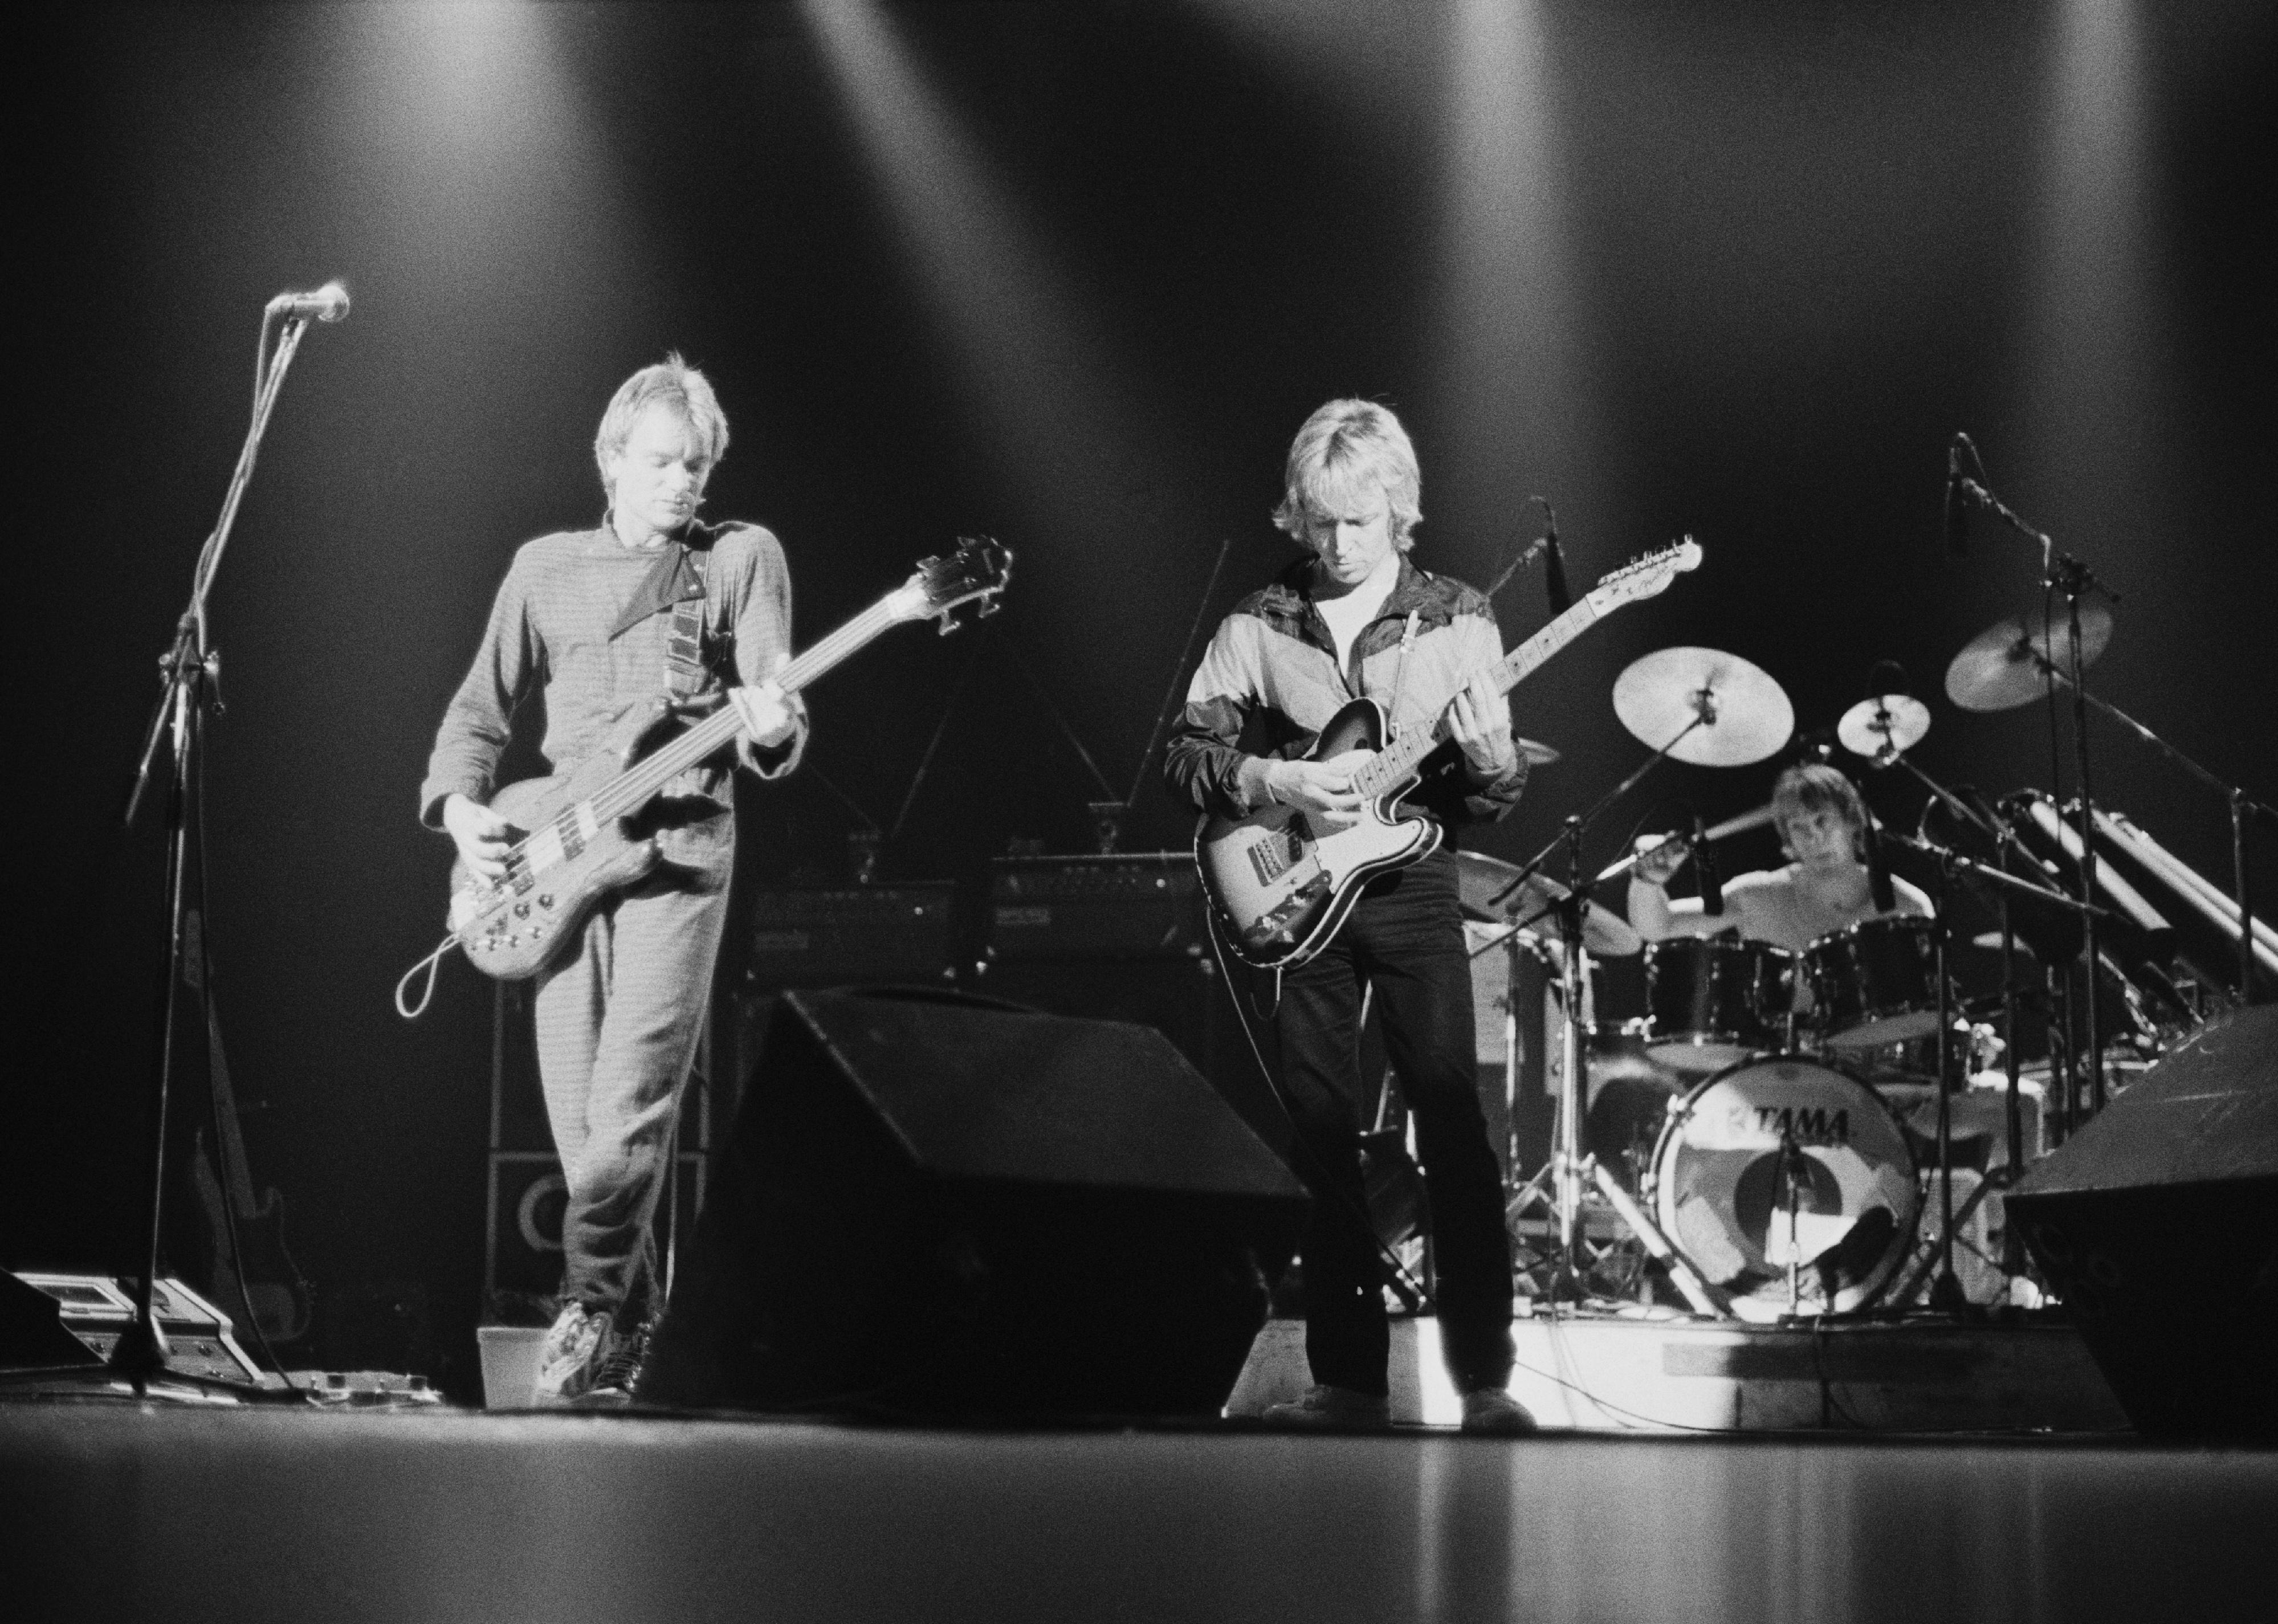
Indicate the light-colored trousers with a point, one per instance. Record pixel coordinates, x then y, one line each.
617 1031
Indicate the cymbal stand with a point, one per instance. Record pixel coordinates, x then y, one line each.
1568 1174
2004 836
2242 807
191 671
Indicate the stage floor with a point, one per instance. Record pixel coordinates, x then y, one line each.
120 1509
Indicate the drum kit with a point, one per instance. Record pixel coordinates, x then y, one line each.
1783 1180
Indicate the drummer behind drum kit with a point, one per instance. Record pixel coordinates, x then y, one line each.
1783 1179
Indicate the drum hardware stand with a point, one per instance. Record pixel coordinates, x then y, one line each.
191 671
1566 1168
1511 940
1945 1294
1791 1177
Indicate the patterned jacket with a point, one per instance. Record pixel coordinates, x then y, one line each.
1269 684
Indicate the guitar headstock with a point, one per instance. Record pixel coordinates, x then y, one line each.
976 572
1649 576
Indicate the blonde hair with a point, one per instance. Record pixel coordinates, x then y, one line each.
1344 449
674 383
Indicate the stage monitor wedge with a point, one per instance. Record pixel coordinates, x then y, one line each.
933 1206
2158 1225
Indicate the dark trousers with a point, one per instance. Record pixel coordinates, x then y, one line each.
1404 939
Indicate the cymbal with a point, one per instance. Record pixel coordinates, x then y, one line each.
1743 714
1991 940
2000 667
1491 891
1892 723
1537 753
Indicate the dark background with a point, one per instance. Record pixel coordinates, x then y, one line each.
1070 276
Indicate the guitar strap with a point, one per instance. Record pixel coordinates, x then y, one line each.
677 583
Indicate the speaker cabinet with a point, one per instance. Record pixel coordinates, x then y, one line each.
2157 1224
929 1207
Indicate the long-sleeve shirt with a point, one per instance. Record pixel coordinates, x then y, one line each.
1270 682
568 620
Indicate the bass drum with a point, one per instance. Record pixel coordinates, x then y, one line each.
1787 1158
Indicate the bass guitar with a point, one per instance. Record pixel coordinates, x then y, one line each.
577 845
1281 888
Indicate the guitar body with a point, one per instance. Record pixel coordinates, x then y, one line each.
1280 889
571 860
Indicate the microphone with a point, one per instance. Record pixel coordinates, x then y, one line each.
1704 867
1554 564
1965 488
328 303
1878 871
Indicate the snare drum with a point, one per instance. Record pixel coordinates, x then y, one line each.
1787 1159
1875 983
1712 1002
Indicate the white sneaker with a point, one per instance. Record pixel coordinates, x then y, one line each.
1324 1408
565 1354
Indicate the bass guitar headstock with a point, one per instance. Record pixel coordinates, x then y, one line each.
975 573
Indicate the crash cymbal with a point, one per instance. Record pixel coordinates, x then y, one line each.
2000 668
1742 714
1491 891
1537 753
1890 725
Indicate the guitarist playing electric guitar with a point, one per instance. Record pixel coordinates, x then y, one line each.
1357 620
649 603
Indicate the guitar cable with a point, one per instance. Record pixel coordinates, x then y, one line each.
1415 1294
213 1104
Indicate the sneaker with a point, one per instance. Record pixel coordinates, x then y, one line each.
609 1379
1492 1411
563 1356
1324 1408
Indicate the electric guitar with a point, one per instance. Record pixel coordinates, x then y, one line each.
1280 889
577 845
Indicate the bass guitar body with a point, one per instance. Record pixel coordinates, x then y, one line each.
570 856
1282 888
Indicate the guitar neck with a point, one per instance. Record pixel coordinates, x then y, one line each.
629 792
1393 765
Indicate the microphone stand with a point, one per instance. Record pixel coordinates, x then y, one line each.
191 671
1945 1294
2064 573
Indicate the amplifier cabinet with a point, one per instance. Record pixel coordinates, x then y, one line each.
200 1339
1146 904
853 935
527 1196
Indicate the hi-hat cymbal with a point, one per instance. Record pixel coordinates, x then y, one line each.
1491 891
1742 715
1537 753
1892 723
2000 668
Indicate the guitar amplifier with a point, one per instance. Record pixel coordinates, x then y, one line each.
96 1309
527 1199
858 934
1146 904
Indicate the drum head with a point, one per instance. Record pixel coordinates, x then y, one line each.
1787 1159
